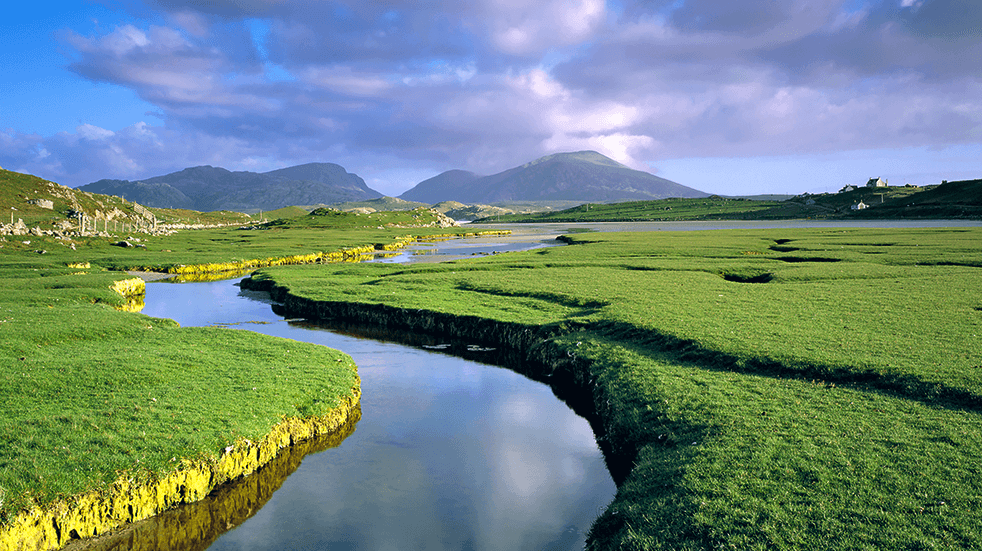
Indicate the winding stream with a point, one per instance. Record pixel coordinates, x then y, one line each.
449 453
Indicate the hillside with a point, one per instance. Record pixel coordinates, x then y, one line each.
35 206
961 199
584 176
207 188
379 204
420 217
441 187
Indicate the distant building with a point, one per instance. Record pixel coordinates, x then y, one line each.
859 206
876 182
848 188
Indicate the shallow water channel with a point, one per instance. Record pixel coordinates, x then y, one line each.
449 453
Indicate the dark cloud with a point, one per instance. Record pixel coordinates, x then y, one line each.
747 17
944 19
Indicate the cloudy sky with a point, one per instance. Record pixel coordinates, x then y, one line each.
755 96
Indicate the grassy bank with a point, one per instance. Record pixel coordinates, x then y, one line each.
785 389
100 402
91 395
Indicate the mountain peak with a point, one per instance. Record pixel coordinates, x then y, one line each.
588 156
584 176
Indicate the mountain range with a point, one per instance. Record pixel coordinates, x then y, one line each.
207 188
585 176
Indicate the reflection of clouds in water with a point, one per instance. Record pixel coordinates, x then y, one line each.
449 454
489 470
539 463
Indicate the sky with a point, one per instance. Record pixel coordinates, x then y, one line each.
734 98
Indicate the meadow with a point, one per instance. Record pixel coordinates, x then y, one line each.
947 201
763 389
93 393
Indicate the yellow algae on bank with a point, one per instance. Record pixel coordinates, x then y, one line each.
134 286
131 499
347 254
133 290
196 525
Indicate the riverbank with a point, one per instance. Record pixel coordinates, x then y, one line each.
109 416
784 388
91 389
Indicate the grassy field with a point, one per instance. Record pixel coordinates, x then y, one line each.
778 389
771 389
951 200
706 208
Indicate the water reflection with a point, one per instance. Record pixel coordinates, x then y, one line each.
449 453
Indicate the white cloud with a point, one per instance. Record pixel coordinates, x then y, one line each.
91 132
626 149
344 80
523 28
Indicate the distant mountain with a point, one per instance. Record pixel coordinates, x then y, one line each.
582 176
437 188
207 188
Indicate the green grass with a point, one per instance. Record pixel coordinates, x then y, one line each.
707 208
285 212
336 219
951 200
833 404
90 392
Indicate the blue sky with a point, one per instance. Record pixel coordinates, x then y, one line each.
758 96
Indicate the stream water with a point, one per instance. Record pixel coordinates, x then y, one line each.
449 453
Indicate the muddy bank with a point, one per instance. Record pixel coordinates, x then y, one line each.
133 498
538 352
